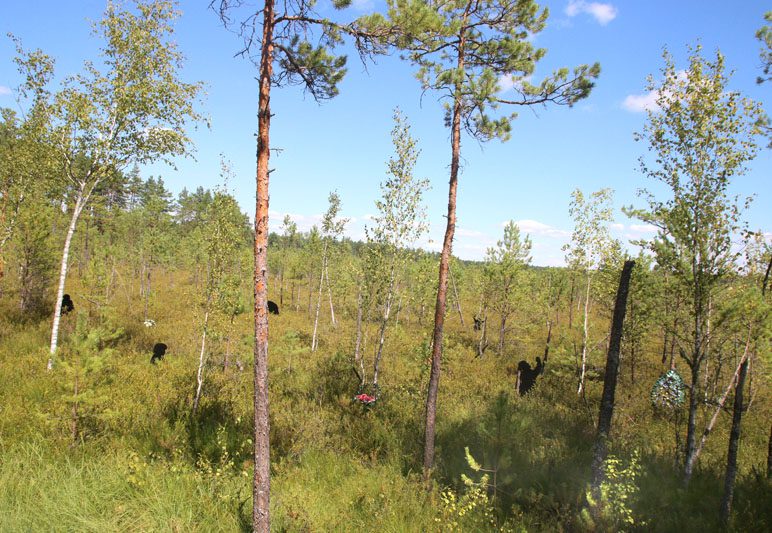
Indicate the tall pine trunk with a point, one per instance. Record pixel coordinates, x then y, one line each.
442 286
80 202
261 482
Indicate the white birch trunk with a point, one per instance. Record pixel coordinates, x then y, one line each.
79 203
580 390
382 333
314 342
329 292
201 359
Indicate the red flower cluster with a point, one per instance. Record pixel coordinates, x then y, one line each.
365 399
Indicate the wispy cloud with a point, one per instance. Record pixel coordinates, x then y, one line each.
638 103
506 83
5 91
534 227
602 13
363 5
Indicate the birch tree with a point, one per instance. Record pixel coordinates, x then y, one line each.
223 232
130 107
332 229
590 244
701 136
399 223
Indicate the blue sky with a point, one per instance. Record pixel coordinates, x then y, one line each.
344 144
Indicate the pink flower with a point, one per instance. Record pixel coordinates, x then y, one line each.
365 398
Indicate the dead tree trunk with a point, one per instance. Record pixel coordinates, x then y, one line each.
734 444
610 379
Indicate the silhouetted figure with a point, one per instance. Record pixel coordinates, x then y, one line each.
527 376
478 323
273 308
67 304
159 350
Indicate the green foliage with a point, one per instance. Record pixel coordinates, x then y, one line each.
472 510
464 50
612 509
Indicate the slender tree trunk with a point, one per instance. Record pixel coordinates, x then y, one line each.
314 343
691 429
382 332
358 344
722 400
455 295
689 452
201 361
734 444
261 484
580 390
329 293
147 289
549 339
79 203
442 286
610 379
483 344
310 290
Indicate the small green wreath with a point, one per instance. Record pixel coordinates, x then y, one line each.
669 391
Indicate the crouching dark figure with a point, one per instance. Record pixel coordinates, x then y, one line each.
273 308
68 306
159 350
526 376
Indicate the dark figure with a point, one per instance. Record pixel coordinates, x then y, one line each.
159 350
478 323
273 308
527 375
67 304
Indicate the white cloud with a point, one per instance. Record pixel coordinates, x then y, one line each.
638 103
463 232
534 227
643 228
506 83
602 13
5 91
363 5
